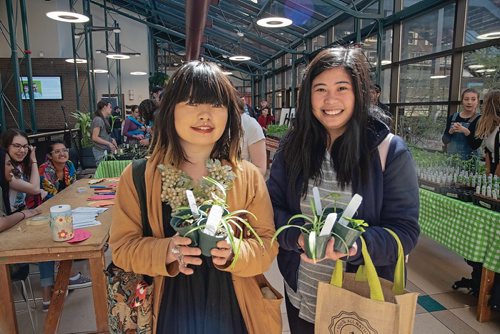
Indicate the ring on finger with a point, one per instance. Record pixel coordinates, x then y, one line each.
175 250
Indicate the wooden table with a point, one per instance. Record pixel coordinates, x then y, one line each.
26 243
470 230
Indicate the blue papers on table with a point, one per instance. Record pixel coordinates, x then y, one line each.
86 216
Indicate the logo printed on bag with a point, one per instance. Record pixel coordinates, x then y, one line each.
350 323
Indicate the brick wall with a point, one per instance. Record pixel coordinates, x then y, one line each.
48 113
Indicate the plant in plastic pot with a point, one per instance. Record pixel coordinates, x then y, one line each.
346 234
216 223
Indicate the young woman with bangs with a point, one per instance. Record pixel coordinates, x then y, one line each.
198 121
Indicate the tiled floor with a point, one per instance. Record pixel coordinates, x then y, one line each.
432 269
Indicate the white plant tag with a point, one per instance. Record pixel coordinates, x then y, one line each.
312 243
317 200
192 203
213 220
329 222
351 209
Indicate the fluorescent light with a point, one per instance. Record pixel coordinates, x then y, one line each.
385 62
117 56
274 22
98 70
438 76
138 73
67 17
77 60
490 35
472 67
227 73
239 58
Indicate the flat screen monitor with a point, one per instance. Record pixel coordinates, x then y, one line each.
44 88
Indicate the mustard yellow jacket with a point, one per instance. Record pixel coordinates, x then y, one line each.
132 252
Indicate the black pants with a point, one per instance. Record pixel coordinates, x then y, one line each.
297 325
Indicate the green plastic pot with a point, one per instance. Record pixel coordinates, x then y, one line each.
329 210
321 242
207 242
176 221
344 237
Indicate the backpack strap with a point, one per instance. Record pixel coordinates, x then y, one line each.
138 170
383 149
454 117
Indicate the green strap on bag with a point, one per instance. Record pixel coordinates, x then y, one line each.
367 272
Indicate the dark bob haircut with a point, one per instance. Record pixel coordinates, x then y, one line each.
197 82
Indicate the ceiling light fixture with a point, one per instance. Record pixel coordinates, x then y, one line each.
486 70
239 58
385 62
67 17
77 60
117 56
438 76
98 70
227 73
138 73
274 22
473 67
490 35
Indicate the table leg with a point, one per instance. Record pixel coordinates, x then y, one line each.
58 296
99 293
8 322
483 311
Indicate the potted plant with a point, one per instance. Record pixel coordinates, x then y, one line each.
205 230
347 234
83 123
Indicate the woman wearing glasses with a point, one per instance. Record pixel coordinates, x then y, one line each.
27 180
58 172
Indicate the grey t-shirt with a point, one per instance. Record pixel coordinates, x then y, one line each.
98 122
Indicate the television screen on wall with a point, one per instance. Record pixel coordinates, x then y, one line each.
44 88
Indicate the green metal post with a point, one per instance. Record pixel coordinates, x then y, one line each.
2 110
106 39
293 102
118 71
27 56
88 56
15 62
75 66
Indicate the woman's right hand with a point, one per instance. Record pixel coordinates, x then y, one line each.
180 251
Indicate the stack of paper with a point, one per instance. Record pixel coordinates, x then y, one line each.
86 216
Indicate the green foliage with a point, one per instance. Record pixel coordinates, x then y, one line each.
276 130
158 79
83 123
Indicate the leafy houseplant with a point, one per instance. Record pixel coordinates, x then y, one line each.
347 234
83 123
194 225
275 130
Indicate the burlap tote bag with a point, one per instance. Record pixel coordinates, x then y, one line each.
363 303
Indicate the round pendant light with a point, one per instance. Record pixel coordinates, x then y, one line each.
138 73
67 17
490 35
117 56
98 70
274 22
77 60
239 58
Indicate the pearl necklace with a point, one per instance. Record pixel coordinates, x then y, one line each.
175 182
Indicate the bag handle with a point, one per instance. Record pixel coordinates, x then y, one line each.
367 272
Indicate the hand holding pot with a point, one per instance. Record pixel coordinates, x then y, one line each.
180 252
222 254
330 252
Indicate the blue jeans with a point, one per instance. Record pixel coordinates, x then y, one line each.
46 273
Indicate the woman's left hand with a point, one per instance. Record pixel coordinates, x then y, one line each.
32 152
222 254
330 252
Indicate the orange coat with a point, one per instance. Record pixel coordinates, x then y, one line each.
132 252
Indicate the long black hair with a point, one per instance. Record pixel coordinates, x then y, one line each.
7 139
305 144
98 113
4 184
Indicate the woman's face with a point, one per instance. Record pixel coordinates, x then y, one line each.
332 100
106 111
59 154
470 102
199 125
18 149
135 113
8 169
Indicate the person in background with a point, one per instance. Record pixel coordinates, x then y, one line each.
133 129
57 173
262 104
247 109
25 190
487 129
156 93
383 109
147 109
7 217
334 145
116 121
101 132
192 294
458 135
253 145
265 118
